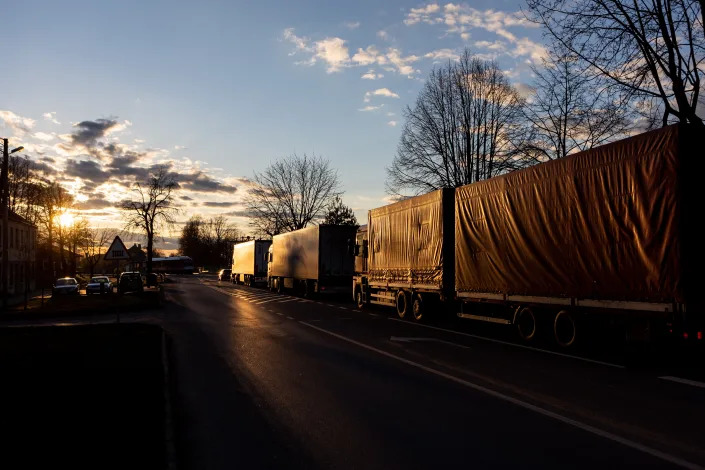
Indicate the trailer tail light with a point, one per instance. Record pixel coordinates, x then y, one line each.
323 287
700 335
685 335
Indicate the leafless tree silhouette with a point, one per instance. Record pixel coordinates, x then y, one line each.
152 208
463 128
291 193
654 49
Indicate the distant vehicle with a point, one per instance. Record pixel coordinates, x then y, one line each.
250 262
173 265
65 286
312 260
130 282
94 286
224 274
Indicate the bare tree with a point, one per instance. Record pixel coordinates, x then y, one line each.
463 128
94 246
77 234
54 200
652 48
152 208
291 193
571 110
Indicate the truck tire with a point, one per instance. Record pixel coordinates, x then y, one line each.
418 307
279 286
358 298
564 329
525 321
403 304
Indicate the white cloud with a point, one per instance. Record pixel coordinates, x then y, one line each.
371 108
371 75
390 114
442 55
460 19
386 92
352 24
383 35
51 116
368 56
392 123
301 43
333 52
20 125
44 136
179 147
423 14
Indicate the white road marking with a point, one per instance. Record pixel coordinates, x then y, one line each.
290 318
264 301
343 308
286 300
331 305
492 340
406 339
537 409
694 383
280 314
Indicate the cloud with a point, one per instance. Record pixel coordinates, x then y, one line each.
371 75
424 14
219 204
51 116
352 24
386 92
44 136
94 203
461 19
442 55
383 35
333 52
392 123
371 108
19 125
86 170
199 181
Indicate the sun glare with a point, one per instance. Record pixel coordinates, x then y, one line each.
65 219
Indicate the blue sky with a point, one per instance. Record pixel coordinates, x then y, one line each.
220 89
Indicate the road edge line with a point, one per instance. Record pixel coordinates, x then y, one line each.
550 414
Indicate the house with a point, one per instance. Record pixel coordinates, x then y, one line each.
138 258
22 253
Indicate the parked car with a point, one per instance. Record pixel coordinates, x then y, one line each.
224 274
94 286
65 286
130 282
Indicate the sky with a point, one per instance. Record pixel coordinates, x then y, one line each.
97 92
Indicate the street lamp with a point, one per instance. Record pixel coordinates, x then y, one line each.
5 187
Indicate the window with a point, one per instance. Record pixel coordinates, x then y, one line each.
118 253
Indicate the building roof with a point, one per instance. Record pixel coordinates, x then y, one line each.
15 217
136 254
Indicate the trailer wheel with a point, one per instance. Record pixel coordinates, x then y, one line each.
418 307
525 321
402 303
564 329
358 298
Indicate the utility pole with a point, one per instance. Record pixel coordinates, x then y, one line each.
5 201
5 185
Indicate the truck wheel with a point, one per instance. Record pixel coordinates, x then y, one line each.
418 307
403 306
308 289
280 287
564 329
526 323
358 299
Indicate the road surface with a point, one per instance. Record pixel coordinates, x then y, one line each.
267 380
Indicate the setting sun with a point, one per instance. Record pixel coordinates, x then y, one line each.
66 219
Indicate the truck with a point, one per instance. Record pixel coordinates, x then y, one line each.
405 254
312 260
609 233
249 265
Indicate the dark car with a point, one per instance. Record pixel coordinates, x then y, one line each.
65 286
224 274
130 282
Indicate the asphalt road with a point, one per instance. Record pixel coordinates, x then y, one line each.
266 380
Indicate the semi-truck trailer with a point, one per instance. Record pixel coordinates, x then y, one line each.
611 232
249 264
312 260
405 254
